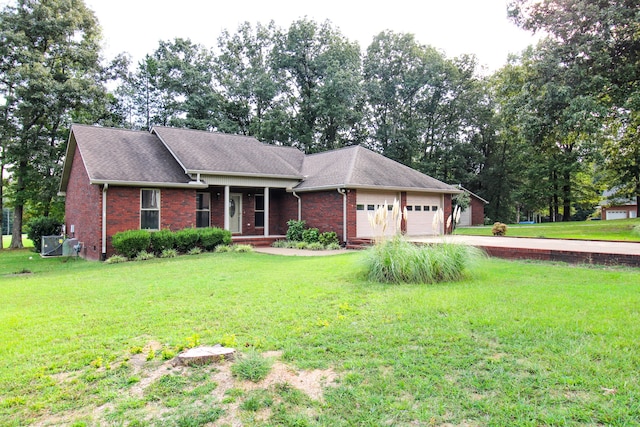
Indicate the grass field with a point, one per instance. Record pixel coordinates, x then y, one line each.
516 343
621 229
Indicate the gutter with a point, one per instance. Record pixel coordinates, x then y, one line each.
344 213
103 255
299 205
191 184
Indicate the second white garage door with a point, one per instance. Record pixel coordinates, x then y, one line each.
420 212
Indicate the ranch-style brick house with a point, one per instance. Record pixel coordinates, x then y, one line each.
116 180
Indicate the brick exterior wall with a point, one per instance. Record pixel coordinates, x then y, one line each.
83 209
284 206
477 211
324 211
177 210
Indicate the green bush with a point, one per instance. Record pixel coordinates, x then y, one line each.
315 246
300 245
186 239
116 259
162 240
42 226
328 237
169 253
399 261
294 232
242 248
332 247
280 244
130 243
311 235
144 255
194 251
210 237
499 229
223 248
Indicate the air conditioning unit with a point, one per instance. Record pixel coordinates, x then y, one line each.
52 245
70 247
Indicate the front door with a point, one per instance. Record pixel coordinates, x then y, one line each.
235 213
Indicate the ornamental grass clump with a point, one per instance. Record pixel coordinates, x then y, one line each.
396 260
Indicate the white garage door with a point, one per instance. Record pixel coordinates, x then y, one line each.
465 217
368 202
616 214
420 212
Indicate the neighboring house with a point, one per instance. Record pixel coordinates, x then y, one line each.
613 207
474 214
116 180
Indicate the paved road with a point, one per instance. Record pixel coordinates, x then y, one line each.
588 246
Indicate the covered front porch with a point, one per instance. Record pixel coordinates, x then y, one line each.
255 215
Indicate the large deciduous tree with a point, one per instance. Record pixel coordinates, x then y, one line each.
600 42
49 70
322 73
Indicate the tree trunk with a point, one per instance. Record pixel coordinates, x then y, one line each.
566 197
16 231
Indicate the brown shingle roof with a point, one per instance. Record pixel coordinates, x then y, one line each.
219 154
123 156
358 167
166 155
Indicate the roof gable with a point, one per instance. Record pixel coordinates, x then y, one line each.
122 156
358 167
221 154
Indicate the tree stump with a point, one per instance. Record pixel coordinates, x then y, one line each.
205 355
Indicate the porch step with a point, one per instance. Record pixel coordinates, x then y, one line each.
359 244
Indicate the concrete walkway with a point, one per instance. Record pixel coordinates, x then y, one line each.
576 251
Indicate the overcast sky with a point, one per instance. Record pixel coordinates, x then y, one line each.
480 27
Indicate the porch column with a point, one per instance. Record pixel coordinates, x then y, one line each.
226 208
266 211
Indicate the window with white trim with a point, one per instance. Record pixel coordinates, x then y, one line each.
259 210
149 209
203 209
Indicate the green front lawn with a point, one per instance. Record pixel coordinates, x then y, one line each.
619 229
518 343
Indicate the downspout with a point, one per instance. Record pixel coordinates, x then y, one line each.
103 255
299 205
344 213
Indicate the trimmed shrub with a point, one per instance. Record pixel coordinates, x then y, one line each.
162 240
499 229
294 232
399 261
131 242
211 237
42 226
186 239
328 237
311 235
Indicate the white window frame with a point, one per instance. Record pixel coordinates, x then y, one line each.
208 210
155 209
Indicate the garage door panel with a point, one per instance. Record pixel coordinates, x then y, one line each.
616 214
421 210
367 203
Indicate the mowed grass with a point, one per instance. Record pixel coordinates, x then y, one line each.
619 229
516 343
